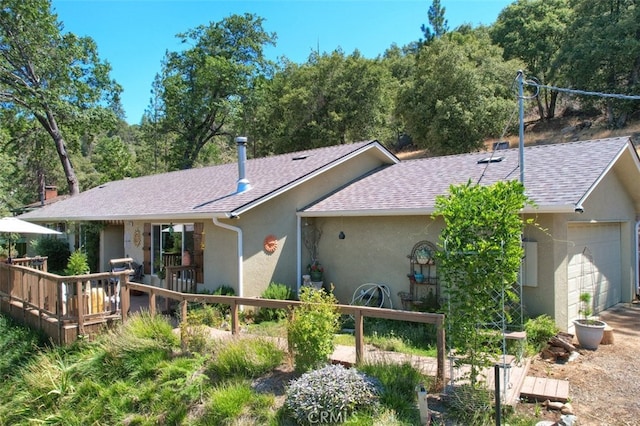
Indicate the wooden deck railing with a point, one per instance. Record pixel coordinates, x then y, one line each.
234 302
63 300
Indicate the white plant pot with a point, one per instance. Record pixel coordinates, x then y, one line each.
589 332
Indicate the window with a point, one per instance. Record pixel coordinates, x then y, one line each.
169 242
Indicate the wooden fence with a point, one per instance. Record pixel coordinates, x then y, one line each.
234 302
65 307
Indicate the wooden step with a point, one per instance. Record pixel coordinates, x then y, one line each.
543 388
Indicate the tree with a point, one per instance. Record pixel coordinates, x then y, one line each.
205 86
331 99
112 159
55 78
602 53
460 93
533 31
438 25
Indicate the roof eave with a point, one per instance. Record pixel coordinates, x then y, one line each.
371 145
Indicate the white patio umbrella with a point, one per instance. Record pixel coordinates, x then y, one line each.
13 225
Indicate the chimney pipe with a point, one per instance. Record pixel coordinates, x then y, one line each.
243 182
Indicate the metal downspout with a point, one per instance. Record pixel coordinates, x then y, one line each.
238 231
298 253
637 257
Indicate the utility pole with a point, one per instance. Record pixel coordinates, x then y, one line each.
520 79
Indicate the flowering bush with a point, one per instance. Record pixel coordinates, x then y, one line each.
315 267
331 393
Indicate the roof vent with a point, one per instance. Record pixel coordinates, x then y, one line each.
500 145
300 157
490 160
243 182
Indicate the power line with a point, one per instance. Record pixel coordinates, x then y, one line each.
582 92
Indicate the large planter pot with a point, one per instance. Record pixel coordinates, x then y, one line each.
589 332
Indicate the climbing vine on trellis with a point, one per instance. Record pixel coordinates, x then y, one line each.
479 258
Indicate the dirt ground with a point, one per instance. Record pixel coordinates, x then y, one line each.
604 385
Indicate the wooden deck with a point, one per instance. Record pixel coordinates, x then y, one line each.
542 389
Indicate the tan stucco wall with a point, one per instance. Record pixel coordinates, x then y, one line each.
374 250
277 217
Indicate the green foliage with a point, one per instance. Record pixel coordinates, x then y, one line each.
203 85
230 400
479 260
275 291
244 358
470 405
399 336
460 93
77 264
438 25
17 345
600 53
56 250
533 31
539 330
319 103
311 327
331 392
112 159
48 75
399 382
586 309
223 290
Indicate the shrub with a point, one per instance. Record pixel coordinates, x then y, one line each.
311 327
331 394
77 264
223 290
470 405
539 330
274 291
56 250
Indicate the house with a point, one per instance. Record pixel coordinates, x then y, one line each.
363 212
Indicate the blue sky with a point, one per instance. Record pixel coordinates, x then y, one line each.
133 36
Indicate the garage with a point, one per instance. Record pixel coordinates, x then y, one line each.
594 265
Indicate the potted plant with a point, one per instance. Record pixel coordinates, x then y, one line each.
589 331
315 270
161 272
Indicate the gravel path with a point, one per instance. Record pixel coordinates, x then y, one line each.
604 385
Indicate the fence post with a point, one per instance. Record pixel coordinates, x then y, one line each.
441 352
359 332
80 298
235 321
152 303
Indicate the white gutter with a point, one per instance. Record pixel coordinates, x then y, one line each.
238 231
567 208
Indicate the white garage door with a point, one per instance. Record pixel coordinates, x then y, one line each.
594 265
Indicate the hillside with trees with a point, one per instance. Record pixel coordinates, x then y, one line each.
450 91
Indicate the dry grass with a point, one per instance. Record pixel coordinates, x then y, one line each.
557 130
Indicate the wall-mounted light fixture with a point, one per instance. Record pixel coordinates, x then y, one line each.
341 235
